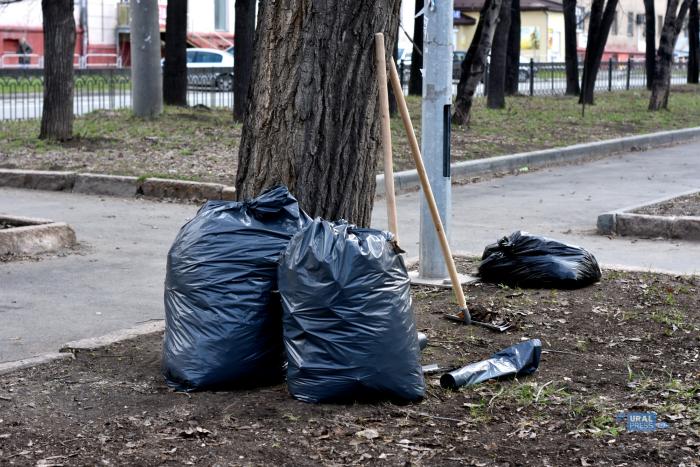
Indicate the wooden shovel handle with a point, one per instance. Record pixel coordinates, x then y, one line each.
380 63
425 183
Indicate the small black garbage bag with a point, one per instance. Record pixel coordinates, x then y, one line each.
349 329
223 323
530 261
518 360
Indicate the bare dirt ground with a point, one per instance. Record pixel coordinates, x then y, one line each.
681 206
629 343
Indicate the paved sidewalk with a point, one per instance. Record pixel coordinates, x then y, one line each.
564 203
117 279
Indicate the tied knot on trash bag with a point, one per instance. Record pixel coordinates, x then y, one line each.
349 329
526 260
222 320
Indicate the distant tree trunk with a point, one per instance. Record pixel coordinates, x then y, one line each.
602 17
146 80
499 50
244 35
513 54
474 64
570 54
313 119
415 82
650 32
693 42
175 67
59 45
673 23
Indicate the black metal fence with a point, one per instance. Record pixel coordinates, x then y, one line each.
21 90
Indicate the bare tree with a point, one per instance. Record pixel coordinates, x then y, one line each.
513 54
693 42
474 64
650 33
673 23
570 53
243 56
59 46
499 51
313 120
175 66
415 82
601 19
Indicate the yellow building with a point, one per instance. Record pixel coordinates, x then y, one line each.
541 28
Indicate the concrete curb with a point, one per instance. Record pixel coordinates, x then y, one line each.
407 180
33 236
9 367
625 222
68 350
404 181
93 343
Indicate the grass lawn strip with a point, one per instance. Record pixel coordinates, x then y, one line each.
201 144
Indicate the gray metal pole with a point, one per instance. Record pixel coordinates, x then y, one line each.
435 131
146 77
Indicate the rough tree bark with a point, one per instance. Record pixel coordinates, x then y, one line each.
693 42
244 31
513 54
59 45
650 32
415 82
570 54
313 120
146 82
499 50
602 16
175 67
474 64
673 23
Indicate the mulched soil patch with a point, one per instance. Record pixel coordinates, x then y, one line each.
681 206
629 343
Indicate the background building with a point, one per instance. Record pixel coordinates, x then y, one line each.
102 28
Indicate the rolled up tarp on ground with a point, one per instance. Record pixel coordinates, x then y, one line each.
518 360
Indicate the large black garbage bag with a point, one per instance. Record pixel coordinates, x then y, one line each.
222 322
349 329
529 261
517 360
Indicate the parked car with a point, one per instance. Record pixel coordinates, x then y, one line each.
211 60
459 56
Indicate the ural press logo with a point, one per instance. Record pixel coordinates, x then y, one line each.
640 421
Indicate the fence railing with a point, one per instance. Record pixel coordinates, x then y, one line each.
21 89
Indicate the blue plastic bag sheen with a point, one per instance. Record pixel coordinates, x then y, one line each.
222 321
349 329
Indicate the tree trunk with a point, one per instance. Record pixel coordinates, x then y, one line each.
415 82
571 55
474 64
513 54
175 66
673 23
313 122
650 32
497 70
244 35
393 105
59 45
693 42
602 17
146 81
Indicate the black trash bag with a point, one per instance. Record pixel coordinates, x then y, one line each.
349 329
518 360
223 324
526 260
